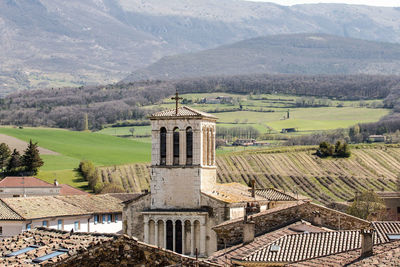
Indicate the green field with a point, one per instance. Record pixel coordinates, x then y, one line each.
103 150
306 120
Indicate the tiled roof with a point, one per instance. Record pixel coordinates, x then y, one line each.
183 111
94 203
126 196
48 241
41 207
53 206
6 213
232 193
67 190
384 255
127 251
383 228
296 247
387 254
240 251
273 194
24 182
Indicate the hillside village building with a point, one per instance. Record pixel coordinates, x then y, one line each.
185 200
79 213
31 186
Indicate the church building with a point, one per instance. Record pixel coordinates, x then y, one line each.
185 201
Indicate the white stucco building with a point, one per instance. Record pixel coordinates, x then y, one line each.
80 213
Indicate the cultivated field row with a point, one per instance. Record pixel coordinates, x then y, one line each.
324 180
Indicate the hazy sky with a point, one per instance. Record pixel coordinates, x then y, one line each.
356 2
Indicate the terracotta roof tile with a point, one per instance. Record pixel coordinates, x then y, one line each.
69 190
383 228
232 193
6 213
24 182
296 247
240 251
93 203
183 111
273 194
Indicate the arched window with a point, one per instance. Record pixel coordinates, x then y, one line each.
163 146
176 146
189 146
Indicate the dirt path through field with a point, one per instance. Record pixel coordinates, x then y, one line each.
20 145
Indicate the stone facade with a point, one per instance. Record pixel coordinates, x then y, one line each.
231 232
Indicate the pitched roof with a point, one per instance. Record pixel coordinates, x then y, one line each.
239 251
125 196
232 193
273 194
54 206
41 207
296 247
183 111
383 228
69 190
6 213
80 245
94 203
387 254
25 181
384 194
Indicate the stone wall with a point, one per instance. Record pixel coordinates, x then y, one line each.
127 251
133 218
232 231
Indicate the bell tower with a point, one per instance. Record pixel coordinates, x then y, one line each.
182 157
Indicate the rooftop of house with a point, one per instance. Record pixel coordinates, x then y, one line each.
126 196
26 208
50 247
273 194
384 230
239 251
232 193
26 181
386 254
183 112
67 190
297 247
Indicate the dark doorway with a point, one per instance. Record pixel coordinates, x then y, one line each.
170 236
178 237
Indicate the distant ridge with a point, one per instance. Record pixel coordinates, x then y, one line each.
280 54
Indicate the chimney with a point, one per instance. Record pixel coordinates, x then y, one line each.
317 220
248 231
367 242
55 182
253 189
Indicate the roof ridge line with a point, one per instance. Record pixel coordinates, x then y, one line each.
12 209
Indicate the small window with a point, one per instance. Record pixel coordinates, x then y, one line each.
116 218
44 223
28 226
398 209
393 236
15 195
77 226
1 230
96 219
60 225
104 218
109 218
275 248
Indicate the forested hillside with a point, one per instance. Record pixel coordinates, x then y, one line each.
324 180
290 54
66 108
55 43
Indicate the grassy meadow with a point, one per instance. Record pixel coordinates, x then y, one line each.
103 150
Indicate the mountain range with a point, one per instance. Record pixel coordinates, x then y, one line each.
280 54
55 43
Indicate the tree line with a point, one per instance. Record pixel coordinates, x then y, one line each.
15 164
67 107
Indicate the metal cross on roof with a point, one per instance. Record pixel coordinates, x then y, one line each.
176 98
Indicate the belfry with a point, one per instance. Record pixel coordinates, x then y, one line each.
185 201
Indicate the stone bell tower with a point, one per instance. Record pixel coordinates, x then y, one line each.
182 157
